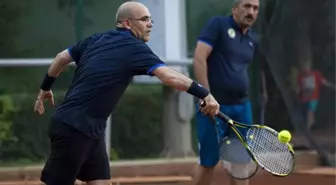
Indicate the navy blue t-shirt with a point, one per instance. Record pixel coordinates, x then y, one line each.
232 52
106 64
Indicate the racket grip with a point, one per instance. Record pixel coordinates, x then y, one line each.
220 114
202 104
223 116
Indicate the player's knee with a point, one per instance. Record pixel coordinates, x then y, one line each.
206 170
203 175
99 182
239 168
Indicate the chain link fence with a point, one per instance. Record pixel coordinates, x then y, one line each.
298 42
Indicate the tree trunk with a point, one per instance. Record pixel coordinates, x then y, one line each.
177 131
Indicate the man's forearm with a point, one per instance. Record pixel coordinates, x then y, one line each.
177 80
328 84
60 62
201 72
57 66
181 82
184 83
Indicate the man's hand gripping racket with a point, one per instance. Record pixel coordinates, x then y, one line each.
262 147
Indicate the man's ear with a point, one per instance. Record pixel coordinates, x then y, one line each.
234 9
128 24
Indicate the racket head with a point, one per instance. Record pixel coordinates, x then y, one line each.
273 156
236 160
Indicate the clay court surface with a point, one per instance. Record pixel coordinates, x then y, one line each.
179 172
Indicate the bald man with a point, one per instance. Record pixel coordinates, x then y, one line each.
106 63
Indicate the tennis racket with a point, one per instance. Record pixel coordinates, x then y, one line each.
234 157
262 145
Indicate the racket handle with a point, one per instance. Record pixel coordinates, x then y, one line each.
223 116
202 104
220 114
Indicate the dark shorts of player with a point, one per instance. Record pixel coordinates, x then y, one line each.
74 156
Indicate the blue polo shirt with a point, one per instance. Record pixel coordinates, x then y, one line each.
106 64
232 52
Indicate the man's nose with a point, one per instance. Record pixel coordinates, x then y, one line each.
150 23
251 11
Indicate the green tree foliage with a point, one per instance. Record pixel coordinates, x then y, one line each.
6 111
9 15
198 15
136 126
137 122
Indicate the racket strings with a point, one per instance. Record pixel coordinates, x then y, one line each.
272 151
235 159
273 155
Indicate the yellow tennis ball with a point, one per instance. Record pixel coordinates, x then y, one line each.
251 136
284 136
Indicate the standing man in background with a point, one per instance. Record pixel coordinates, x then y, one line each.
224 50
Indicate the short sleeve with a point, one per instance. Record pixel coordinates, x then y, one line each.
319 76
144 61
77 50
210 32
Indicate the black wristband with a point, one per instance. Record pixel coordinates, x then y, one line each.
47 82
198 91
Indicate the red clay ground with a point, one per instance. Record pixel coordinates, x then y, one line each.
184 167
327 178
260 179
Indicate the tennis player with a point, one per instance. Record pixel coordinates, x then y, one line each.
106 64
224 50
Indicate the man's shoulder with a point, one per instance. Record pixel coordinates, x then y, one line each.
216 23
113 34
98 34
94 37
219 19
122 39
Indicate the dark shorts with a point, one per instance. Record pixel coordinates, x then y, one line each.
74 156
311 105
208 139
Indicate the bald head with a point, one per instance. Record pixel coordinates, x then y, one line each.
136 18
127 10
